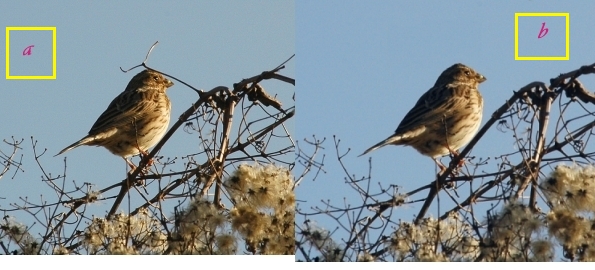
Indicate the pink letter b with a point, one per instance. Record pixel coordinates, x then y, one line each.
542 31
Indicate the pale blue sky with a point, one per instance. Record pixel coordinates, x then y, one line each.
362 66
204 43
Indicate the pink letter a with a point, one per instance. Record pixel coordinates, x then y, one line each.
27 51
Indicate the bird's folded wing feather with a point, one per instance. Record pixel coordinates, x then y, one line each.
122 110
432 106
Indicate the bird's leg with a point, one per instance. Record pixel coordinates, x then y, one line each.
440 165
145 153
455 154
142 152
442 169
132 166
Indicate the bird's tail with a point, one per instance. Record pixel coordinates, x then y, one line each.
82 141
394 139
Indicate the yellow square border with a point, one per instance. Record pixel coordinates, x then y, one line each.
538 14
31 28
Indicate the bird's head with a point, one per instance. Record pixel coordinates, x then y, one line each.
460 73
149 79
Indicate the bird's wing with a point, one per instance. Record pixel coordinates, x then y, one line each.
127 106
435 104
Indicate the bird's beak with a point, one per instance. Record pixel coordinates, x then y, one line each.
481 78
168 83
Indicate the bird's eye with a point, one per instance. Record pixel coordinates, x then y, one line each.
467 72
156 78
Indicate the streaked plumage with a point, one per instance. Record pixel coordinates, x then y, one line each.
445 118
135 120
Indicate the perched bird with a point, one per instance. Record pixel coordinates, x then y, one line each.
444 118
135 120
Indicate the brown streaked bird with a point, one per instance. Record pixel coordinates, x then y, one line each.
445 118
135 120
